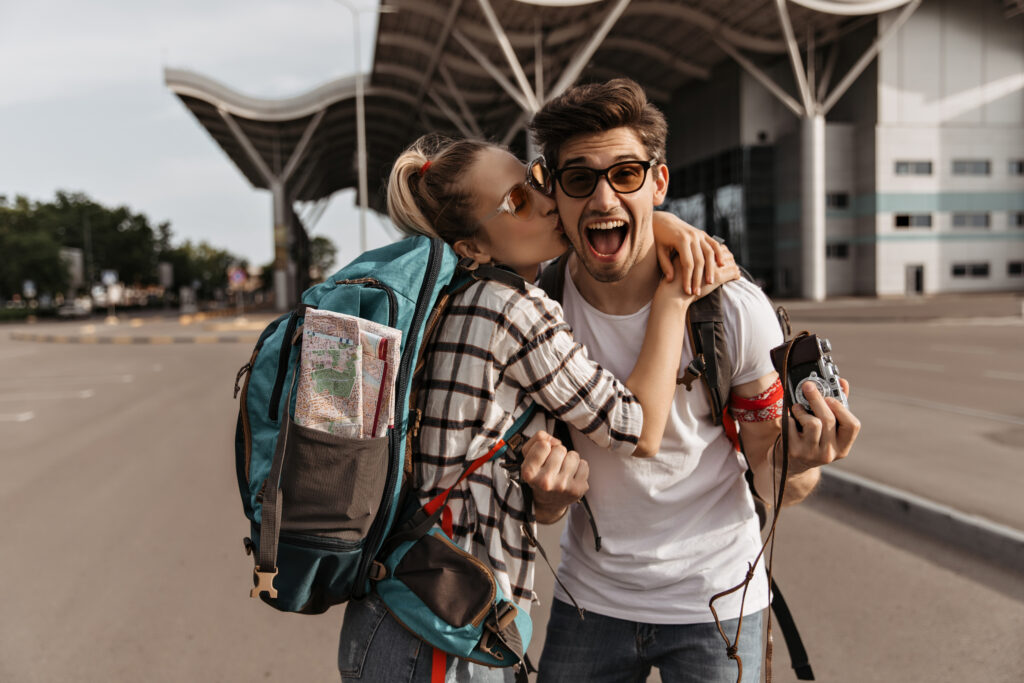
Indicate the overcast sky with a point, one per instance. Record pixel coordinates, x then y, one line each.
83 106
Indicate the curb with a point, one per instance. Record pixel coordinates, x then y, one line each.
997 542
154 340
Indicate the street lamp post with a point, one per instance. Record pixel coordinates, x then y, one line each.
361 114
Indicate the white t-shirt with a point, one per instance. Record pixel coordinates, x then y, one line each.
679 527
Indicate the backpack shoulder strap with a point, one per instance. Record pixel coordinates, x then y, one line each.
705 323
552 278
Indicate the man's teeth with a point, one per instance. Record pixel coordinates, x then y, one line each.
606 225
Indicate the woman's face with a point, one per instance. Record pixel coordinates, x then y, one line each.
520 242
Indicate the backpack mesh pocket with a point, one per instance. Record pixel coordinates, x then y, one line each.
330 485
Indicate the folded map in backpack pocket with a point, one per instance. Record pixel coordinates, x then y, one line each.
348 371
329 394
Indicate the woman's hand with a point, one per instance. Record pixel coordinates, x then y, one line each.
703 260
557 476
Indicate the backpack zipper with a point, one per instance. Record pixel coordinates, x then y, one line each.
318 542
243 409
401 384
377 284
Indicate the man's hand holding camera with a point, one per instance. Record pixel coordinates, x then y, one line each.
823 437
817 437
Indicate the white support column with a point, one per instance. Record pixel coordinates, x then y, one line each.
300 149
812 113
467 113
512 132
794 56
283 284
538 59
492 71
869 55
812 199
510 54
450 113
246 143
761 77
582 58
826 76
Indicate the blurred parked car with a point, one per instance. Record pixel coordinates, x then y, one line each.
81 307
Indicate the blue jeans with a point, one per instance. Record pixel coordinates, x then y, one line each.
602 649
376 649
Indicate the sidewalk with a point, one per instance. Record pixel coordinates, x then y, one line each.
908 309
226 326
199 328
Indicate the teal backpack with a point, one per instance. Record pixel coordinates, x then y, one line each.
322 507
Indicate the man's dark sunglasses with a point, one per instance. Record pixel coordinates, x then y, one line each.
624 177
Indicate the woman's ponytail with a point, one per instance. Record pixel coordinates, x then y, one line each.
426 190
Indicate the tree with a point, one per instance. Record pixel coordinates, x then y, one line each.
200 263
322 256
32 233
29 253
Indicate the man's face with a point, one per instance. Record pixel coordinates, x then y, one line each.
610 231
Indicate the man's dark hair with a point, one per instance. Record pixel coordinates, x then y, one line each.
596 108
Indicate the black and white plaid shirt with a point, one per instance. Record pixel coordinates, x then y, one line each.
498 349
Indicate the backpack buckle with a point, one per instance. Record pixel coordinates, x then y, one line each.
694 369
504 615
489 644
264 581
378 571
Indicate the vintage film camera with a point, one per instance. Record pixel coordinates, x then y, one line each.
809 361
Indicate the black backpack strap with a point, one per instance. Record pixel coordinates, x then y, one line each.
794 643
552 278
711 362
487 271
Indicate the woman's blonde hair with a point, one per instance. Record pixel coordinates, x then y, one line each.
426 189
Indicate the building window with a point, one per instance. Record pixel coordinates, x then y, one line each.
972 167
1016 167
913 168
975 270
1015 268
837 200
1017 219
839 250
970 220
913 220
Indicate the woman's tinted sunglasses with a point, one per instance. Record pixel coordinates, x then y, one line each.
520 202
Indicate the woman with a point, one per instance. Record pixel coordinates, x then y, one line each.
501 346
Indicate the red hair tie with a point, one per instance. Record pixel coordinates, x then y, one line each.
424 167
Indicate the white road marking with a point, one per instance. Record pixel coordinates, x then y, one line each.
944 407
6 354
43 396
17 417
910 365
978 350
999 374
1007 321
101 379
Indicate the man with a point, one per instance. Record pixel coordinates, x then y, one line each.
680 527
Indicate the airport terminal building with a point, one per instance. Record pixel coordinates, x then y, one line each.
842 147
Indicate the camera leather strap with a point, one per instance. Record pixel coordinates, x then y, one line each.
769 541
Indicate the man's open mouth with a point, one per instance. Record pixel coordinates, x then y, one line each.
606 237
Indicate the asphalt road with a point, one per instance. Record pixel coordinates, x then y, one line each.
122 528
